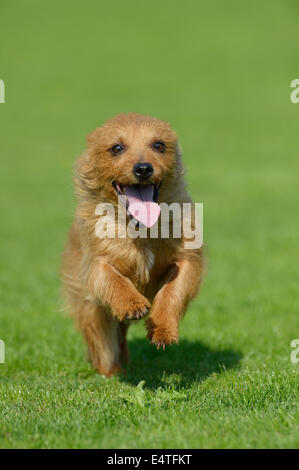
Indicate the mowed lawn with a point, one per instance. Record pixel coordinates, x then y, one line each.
220 72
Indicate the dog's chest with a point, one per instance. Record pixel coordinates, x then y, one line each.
145 260
150 258
142 262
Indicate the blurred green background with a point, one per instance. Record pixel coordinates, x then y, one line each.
220 72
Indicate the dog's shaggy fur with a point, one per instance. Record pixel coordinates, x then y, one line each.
111 281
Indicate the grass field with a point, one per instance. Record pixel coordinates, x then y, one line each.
220 72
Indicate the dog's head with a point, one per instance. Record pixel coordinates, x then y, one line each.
131 156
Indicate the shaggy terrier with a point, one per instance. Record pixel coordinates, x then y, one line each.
111 281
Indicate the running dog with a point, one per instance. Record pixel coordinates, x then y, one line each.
112 281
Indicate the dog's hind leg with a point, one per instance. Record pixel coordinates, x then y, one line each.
101 332
124 350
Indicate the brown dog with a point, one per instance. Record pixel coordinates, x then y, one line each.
111 281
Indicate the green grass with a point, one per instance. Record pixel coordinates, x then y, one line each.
220 72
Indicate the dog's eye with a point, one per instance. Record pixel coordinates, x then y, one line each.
116 149
159 146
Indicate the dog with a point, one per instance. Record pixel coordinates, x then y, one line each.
110 282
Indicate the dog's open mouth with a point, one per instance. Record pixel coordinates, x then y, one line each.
140 201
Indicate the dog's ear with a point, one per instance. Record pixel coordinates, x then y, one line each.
180 171
94 138
86 171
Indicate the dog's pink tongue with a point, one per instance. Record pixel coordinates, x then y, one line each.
141 204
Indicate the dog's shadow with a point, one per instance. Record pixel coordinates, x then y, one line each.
180 365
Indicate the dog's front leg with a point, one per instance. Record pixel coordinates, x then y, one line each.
170 303
117 292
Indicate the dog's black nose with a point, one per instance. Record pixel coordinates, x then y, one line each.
143 171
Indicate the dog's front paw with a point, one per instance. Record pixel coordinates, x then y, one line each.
134 309
161 335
